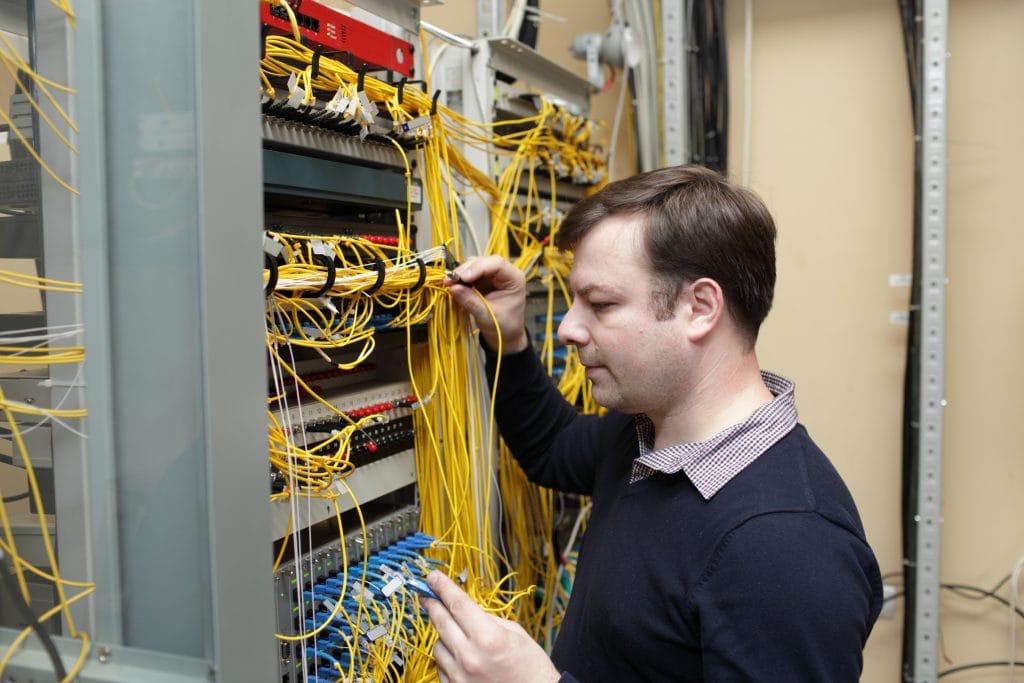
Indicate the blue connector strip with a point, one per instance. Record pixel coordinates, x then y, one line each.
401 559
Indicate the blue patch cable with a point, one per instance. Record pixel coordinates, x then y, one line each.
399 559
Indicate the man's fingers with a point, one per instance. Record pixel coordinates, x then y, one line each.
448 630
468 616
489 273
445 660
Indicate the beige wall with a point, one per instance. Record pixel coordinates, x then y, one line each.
832 154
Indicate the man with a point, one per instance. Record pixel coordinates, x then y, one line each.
722 545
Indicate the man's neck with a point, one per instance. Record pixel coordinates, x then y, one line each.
725 392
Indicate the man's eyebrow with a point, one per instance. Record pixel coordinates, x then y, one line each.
591 288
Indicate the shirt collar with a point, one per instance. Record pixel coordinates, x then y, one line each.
711 464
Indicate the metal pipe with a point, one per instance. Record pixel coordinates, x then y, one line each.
458 41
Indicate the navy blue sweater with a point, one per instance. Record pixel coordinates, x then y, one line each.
769 580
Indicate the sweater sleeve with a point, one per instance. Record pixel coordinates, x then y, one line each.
555 445
787 597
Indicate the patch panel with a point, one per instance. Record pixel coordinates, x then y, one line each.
368 482
299 590
368 444
395 393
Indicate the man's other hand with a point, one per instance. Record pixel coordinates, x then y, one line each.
476 647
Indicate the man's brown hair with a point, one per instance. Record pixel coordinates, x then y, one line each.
696 224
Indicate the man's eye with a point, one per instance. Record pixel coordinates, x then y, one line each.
599 305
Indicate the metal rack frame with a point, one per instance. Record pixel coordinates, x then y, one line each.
932 321
186 430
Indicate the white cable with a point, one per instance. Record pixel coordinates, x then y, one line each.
282 404
748 48
639 16
613 144
470 227
77 327
434 59
367 277
74 384
514 20
309 499
41 338
1014 596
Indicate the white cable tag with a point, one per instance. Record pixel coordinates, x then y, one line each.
339 103
381 125
368 107
376 633
353 107
321 248
325 302
413 125
271 246
391 586
358 591
296 93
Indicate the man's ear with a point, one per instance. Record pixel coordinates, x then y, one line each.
706 307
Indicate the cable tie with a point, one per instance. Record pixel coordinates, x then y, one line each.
314 69
361 79
401 89
332 273
379 265
264 32
422 276
270 263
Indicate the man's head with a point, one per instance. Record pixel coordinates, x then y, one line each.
695 224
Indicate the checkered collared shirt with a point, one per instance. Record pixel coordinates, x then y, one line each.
711 464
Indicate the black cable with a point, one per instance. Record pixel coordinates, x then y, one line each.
908 14
975 593
30 620
977 665
718 113
970 593
909 11
16 497
698 31
708 84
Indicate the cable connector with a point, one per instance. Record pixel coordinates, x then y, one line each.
450 264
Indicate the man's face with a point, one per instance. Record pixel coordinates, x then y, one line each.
636 362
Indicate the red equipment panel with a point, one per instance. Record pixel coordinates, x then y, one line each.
338 32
